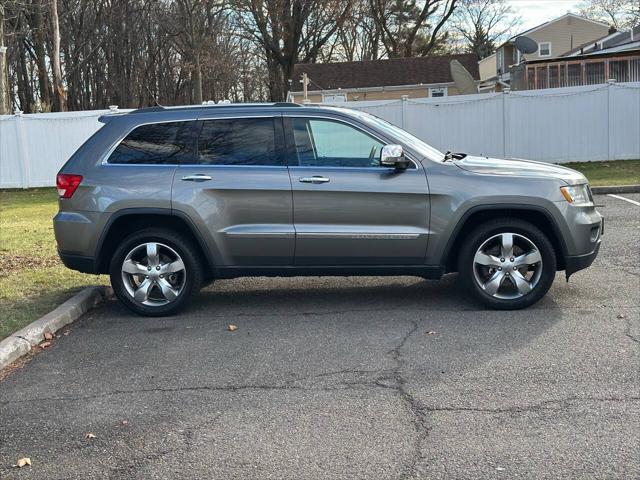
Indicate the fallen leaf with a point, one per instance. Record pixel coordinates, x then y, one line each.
23 461
48 336
45 344
232 328
621 316
431 332
89 436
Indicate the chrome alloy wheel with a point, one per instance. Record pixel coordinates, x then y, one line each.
507 266
153 274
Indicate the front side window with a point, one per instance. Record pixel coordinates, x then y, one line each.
158 143
238 141
327 143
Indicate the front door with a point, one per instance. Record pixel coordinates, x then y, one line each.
238 191
349 210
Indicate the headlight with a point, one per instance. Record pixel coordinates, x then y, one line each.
576 194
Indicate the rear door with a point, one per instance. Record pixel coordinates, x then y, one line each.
349 210
238 191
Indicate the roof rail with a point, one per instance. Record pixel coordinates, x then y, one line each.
147 110
219 105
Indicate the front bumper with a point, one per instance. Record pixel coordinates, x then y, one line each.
574 263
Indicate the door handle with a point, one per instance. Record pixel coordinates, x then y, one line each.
198 177
314 179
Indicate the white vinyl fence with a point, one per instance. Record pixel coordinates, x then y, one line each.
597 122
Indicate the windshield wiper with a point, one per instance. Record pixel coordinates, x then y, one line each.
449 155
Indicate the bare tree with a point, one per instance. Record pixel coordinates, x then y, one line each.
290 32
619 13
59 93
194 25
483 23
5 106
407 29
358 38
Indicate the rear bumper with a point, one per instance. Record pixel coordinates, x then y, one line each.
78 262
574 263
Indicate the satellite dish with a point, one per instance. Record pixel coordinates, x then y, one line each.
465 83
526 45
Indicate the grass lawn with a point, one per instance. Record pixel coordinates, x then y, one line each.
33 281
619 172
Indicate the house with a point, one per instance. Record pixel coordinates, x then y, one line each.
554 38
614 57
415 77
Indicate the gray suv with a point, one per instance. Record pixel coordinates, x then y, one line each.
167 199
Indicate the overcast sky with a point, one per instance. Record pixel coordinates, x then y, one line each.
535 12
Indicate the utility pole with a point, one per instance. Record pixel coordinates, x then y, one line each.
5 104
305 83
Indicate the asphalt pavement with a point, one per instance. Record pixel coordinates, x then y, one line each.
380 378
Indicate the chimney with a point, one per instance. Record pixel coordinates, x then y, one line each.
612 30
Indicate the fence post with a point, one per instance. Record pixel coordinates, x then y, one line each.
505 131
22 151
610 154
403 104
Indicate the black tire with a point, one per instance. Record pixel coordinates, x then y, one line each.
191 281
484 232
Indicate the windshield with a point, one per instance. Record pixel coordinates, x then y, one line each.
402 135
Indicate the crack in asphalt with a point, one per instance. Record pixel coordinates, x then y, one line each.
418 412
288 385
627 332
534 407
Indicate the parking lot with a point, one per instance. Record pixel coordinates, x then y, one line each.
345 378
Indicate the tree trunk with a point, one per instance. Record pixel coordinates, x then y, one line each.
38 27
5 104
197 81
60 103
25 93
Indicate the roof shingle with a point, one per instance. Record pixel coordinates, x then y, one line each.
384 73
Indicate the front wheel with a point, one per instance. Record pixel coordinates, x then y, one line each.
155 271
507 264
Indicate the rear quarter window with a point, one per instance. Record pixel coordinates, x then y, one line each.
158 143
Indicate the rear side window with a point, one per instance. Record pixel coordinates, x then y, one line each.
158 143
239 141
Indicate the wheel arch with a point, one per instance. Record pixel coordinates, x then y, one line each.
127 221
538 216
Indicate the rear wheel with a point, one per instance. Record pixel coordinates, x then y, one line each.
154 272
507 264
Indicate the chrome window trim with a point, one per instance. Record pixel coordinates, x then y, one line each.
357 127
104 159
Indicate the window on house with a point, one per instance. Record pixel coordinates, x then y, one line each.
438 92
334 98
544 49
499 60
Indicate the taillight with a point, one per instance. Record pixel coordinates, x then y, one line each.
67 184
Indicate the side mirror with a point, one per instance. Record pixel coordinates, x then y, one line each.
393 156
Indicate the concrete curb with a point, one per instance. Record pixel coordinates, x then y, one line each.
616 189
21 342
